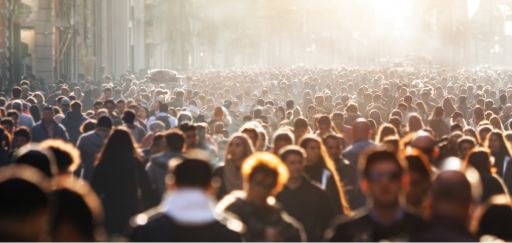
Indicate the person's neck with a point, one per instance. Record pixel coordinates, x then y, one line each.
310 162
48 123
102 130
357 139
294 182
237 162
386 213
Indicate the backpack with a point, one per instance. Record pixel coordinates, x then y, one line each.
165 120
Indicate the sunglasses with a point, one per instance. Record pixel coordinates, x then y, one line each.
389 175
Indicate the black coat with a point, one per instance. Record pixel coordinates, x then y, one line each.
310 205
258 219
162 228
442 229
222 190
362 227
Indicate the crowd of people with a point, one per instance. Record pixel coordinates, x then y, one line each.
259 154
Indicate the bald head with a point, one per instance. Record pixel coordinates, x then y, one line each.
361 129
507 109
451 187
426 143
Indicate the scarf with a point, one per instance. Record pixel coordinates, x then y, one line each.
232 177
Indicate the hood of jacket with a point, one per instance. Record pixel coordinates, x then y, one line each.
97 139
436 124
189 207
162 159
376 107
74 116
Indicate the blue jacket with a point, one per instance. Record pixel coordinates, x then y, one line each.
352 153
40 133
157 169
72 122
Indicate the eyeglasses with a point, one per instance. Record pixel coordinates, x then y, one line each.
389 175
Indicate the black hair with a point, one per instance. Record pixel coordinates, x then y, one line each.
175 139
163 108
104 122
128 117
16 92
109 101
23 132
88 126
21 199
192 173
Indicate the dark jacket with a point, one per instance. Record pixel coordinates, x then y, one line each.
162 228
186 214
310 205
348 178
89 144
222 190
492 185
176 103
442 229
40 133
363 227
72 122
439 127
157 169
87 101
259 219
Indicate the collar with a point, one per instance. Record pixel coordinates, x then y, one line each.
162 114
189 206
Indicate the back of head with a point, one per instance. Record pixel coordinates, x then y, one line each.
66 155
38 160
78 209
76 106
494 217
128 117
479 158
175 139
361 129
438 112
104 122
300 123
192 173
451 194
163 108
24 197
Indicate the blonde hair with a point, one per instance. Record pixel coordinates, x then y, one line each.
272 162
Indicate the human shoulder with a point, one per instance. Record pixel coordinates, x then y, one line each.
219 171
344 227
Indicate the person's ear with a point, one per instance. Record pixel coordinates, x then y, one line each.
363 184
436 152
405 182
